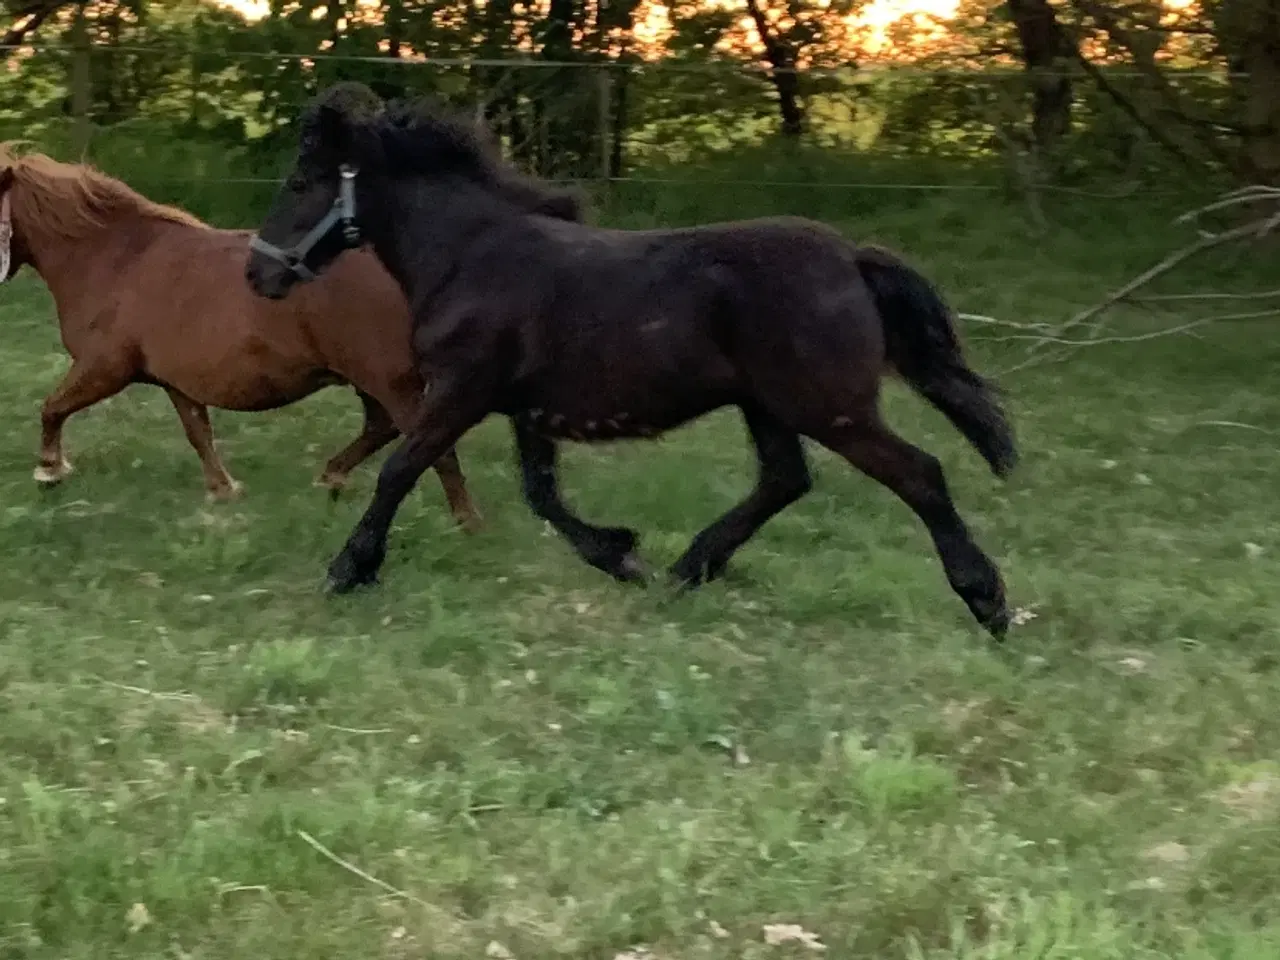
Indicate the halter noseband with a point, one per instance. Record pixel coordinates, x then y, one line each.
342 213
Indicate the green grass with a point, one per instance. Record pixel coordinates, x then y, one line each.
543 760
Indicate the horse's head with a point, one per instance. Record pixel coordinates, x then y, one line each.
314 218
350 142
14 253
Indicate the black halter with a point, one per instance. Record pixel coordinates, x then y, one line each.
342 213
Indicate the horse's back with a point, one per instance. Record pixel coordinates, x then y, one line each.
204 270
707 311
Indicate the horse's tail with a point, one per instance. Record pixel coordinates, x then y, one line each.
921 344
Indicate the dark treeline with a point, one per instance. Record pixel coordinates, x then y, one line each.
1059 90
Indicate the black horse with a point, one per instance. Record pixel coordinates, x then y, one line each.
583 333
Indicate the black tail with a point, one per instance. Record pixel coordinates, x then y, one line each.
922 345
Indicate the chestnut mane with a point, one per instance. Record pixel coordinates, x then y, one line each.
71 200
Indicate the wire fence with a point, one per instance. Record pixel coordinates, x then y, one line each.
534 63
183 114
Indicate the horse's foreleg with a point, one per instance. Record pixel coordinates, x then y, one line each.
199 431
84 385
439 427
784 479
611 549
918 480
378 431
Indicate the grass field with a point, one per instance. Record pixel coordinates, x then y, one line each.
545 764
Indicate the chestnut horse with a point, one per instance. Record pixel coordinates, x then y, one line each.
147 293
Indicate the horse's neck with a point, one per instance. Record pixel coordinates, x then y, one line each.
420 230
66 263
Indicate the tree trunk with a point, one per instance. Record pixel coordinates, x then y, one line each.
619 131
567 96
25 23
1046 54
394 27
81 83
1261 152
780 53
787 84
1249 31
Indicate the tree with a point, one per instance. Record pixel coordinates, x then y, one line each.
787 35
1248 34
1047 53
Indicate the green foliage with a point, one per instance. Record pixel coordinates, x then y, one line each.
185 69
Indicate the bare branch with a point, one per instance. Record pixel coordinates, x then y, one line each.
1177 104
1149 335
1068 344
1055 343
997 322
1170 297
1251 194
1164 266
35 16
1170 144
353 869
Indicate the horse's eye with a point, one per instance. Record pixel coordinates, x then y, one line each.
296 184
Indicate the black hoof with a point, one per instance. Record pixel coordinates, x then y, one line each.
689 573
613 550
992 611
346 575
630 569
716 569
998 624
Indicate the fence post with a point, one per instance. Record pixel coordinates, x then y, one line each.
604 111
81 84
196 76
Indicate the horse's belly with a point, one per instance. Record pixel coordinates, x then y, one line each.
619 381
248 380
598 409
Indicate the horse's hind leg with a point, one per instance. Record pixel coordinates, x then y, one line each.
378 431
199 431
85 384
918 480
454 484
611 549
402 407
784 479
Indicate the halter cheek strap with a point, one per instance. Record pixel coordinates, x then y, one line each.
342 213
6 237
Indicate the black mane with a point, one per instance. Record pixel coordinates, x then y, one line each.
424 136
